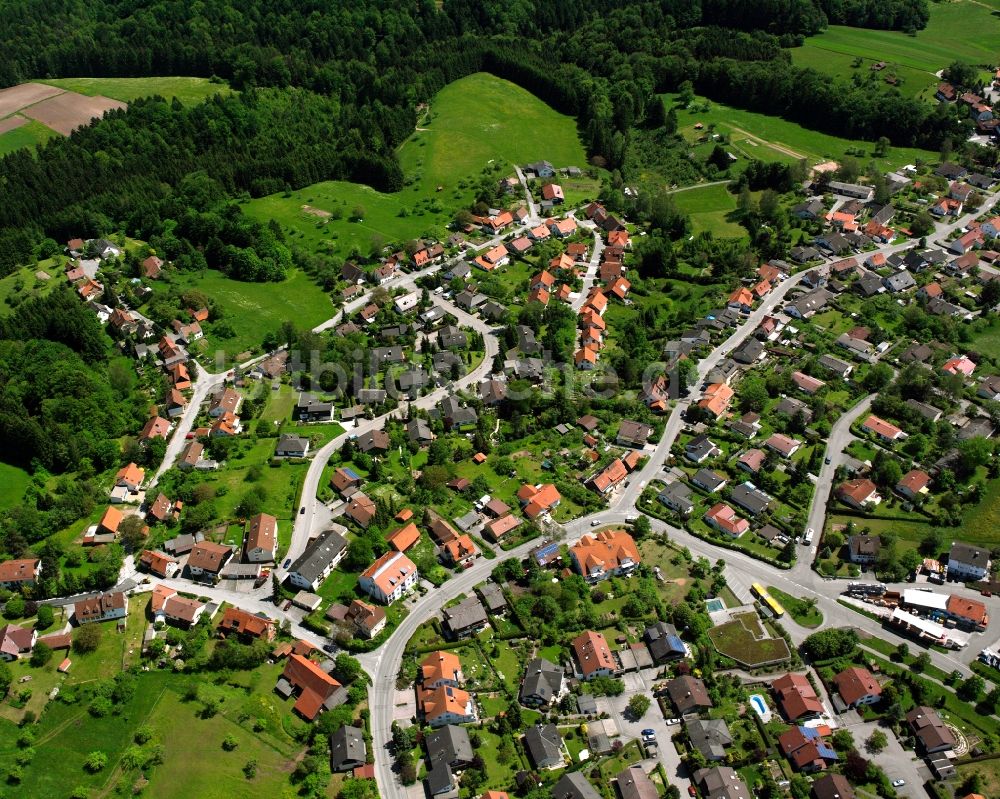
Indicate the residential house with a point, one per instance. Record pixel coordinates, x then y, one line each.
899 281
724 519
290 446
796 697
688 694
663 642
785 446
361 509
806 750
750 498
808 304
913 484
347 749
542 684
317 690
317 561
247 625
927 726
574 785
677 497
968 563
832 786
864 549
538 500
465 619
156 427
607 480
633 434
158 563
460 551
208 558
959 365
160 509
609 553
261 542
711 737
709 480
751 460
701 448
716 399
544 745
16 641
593 656
390 577
168 607
858 493
807 383
446 705
881 429
840 368
108 606
857 686
376 441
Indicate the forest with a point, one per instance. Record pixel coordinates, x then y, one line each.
317 104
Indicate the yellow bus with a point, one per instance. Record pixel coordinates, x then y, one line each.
772 604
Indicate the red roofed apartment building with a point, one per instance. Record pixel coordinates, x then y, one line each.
593 657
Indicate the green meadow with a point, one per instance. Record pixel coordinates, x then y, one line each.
771 138
471 123
710 208
965 30
30 134
189 91
13 482
254 309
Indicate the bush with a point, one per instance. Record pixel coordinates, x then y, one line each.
250 769
14 609
45 617
229 743
95 761
41 655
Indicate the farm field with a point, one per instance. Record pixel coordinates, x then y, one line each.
32 112
963 29
189 91
710 208
28 134
475 120
771 138
254 309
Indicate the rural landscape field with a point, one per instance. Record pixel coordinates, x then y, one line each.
500 401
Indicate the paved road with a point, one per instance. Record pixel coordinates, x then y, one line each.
838 440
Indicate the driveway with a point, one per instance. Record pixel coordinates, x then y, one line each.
641 682
897 762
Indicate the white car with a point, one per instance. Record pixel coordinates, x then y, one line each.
672 722
898 783
808 537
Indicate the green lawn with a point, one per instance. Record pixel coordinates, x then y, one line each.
981 523
960 30
710 208
771 138
28 135
21 284
253 309
473 121
797 609
189 91
13 482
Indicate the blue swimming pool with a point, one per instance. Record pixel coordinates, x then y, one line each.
714 605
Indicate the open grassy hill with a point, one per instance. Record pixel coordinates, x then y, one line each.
965 30
470 123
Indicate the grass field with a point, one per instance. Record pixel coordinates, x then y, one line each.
471 122
254 309
13 481
28 135
771 138
22 283
189 91
710 208
802 613
960 30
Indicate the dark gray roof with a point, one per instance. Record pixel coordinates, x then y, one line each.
574 786
542 679
311 564
418 430
465 615
750 498
710 737
451 745
439 779
721 782
544 744
708 479
969 555
347 748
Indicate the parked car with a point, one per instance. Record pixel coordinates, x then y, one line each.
287 563
898 783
